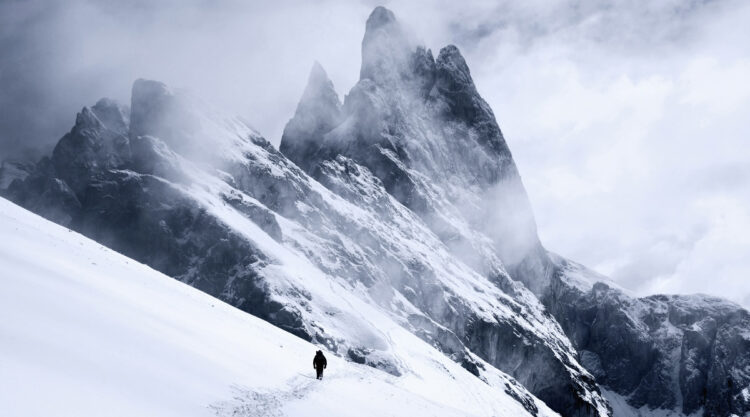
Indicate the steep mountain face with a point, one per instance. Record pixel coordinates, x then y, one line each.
346 269
203 198
93 332
685 353
420 126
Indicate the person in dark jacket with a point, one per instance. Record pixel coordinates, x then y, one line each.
319 363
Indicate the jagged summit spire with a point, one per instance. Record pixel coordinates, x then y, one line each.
386 47
318 111
86 118
379 17
450 59
317 73
147 103
319 88
106 113
320 97
114 116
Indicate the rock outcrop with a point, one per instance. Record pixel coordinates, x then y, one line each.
687 353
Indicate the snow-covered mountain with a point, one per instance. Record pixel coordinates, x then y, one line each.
201 197
260 234
90 332
393 221
421 127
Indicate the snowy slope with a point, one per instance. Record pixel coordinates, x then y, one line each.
87 331
353 270
337 258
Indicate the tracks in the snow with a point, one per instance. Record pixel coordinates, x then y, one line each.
247 402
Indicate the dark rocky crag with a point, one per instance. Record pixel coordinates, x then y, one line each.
421 127
684 353
114 187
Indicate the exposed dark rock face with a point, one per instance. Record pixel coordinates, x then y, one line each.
318 112
421 127
683 353
91 147
122 190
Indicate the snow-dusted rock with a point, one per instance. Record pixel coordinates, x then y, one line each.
248 226
90 332
686 353
418 126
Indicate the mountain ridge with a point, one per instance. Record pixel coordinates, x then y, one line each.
404 197
92 332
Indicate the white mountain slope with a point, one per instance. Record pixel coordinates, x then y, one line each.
335 257
87 331
353 270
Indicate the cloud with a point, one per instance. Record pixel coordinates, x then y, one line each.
628 119
622 140
247 57
717 260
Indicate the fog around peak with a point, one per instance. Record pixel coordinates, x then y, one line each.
627 120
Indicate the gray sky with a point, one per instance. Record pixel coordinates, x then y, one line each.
628 119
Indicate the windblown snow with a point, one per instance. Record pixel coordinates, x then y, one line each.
87 331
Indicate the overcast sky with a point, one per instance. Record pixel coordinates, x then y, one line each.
629 120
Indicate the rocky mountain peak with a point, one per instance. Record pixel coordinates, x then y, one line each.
86 119
386 48
90 146
318 75
112 115
318 111
320 97
172 116
411 116
380 17
148 101
452 66
147 90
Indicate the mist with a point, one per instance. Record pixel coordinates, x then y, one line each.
245 57
627 120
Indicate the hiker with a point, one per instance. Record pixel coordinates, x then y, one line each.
319 363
